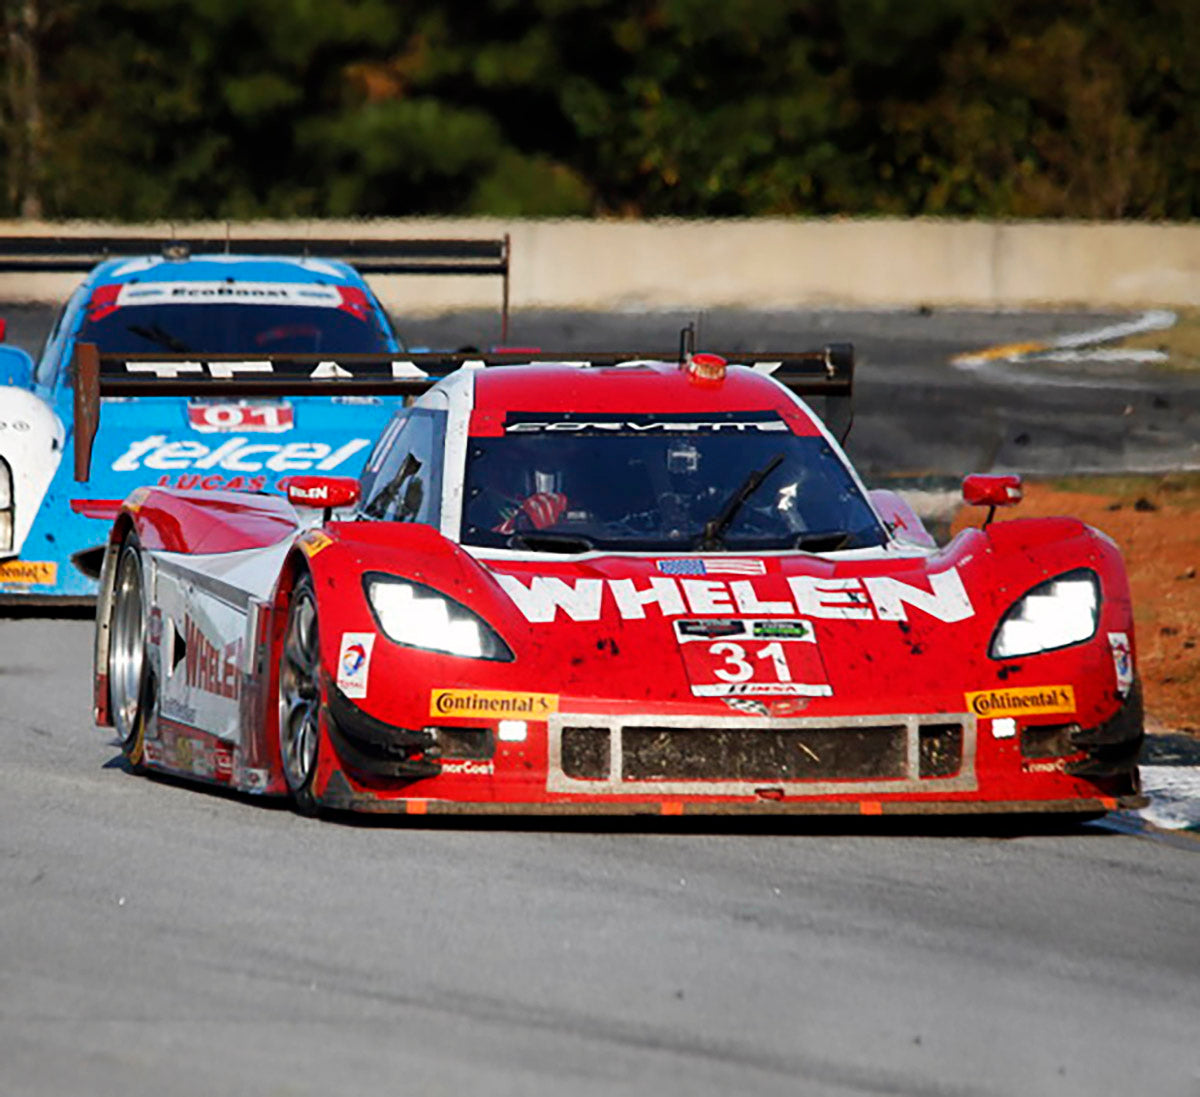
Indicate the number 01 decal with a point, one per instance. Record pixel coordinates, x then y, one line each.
738 658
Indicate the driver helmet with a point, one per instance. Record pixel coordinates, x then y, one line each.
683 464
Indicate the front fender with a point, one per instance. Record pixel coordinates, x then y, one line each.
338 555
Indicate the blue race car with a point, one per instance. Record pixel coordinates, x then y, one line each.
270 298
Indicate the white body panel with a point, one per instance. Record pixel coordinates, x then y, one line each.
31 441
205 648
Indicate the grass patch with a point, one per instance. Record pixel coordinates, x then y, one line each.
1181 489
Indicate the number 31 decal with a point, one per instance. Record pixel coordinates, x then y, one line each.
731 658
741 670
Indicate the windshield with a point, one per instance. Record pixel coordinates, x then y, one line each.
740 481
233 329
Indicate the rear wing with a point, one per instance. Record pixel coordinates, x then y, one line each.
826 373
66 254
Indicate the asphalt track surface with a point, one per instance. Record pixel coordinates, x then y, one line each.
157 938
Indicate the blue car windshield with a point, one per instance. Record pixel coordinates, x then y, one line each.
740 481
234 329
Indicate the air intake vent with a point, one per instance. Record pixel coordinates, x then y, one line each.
766 754
586 753
739 755
941 749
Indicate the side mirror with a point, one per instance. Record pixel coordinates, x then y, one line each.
325 492
16 367
982 490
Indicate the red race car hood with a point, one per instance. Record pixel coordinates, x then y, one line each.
790 631
785 634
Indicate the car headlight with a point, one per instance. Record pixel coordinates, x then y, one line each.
420 617
1054 614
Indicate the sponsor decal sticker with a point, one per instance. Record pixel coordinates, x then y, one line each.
290 369
230 418
183 753
783 630
940 595
267 293
788 706
354 663
1021 701
191 481
1056 765
208 667
710 628
202 759
314 542
1122 657
712 566
255 780
222 763
491 702
29 572
657 425
459 766
175 709
155 625
236 455
747 705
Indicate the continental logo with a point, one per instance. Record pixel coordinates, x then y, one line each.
491 702
1026 701
29 572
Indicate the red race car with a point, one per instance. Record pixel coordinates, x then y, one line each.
606 583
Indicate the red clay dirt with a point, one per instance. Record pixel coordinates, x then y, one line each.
1156 521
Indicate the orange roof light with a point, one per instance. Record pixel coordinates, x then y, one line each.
705 369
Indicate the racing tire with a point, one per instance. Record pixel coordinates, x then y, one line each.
300 697
130 681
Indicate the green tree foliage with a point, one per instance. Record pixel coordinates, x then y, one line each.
185 109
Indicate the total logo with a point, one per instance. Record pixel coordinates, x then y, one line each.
238 454
354 663
353 659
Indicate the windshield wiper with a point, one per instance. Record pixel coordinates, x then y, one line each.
715 529
551 542
160 337
822 540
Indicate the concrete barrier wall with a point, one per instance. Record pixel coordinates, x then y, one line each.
758 263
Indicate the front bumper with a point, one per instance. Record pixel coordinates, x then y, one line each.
621 763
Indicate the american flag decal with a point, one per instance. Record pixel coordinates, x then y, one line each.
713 565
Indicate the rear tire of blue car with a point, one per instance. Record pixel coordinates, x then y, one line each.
130 684
300 697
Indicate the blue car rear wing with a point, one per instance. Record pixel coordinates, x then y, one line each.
828 372
64 254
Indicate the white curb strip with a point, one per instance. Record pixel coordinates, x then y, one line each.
1153 320
1174 793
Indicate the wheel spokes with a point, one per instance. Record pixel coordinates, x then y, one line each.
299 740
300 647
299 692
